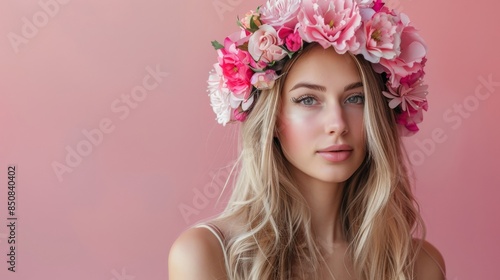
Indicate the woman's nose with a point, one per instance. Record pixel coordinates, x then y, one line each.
335 121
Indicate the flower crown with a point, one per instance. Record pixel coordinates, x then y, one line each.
251 59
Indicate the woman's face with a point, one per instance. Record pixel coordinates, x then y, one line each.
320 123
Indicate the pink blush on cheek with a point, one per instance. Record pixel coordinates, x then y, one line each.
297 132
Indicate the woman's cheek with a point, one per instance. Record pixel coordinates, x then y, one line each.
298 129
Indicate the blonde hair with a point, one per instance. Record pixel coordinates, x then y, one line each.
378 210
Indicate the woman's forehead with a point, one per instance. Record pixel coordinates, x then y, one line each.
324 67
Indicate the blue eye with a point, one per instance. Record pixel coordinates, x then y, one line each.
356 99
305 100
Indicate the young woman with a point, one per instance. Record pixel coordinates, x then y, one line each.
324 91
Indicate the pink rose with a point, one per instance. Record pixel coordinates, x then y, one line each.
264 45
249 17
330 23
379 37
264 80
280 13
292 39
410 61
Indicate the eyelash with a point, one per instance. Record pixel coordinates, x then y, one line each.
307 96
358 95
302 98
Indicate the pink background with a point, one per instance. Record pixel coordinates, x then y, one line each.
115 215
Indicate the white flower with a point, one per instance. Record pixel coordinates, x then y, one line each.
219 95
280 13
364 3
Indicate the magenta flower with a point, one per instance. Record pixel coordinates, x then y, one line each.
379 37
240 115
330 23
237 73
293 42
378 5
408 121
235 67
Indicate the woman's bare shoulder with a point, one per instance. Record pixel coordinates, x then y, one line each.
430 263
196 254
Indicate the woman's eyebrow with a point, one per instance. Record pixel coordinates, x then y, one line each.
353 86
309 86
322 88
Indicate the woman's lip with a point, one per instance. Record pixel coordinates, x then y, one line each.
336 148
336 156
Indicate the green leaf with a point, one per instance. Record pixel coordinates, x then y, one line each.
253 26
217 45
238 22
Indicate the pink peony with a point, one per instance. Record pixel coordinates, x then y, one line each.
264 80
380 37
280 13
410 61
235 69
264 44
330 23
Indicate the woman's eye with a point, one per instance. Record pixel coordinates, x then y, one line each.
305 100
356 99
308 101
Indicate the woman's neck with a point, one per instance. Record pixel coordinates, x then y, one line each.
323 200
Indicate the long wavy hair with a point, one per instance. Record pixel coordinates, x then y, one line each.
380 216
